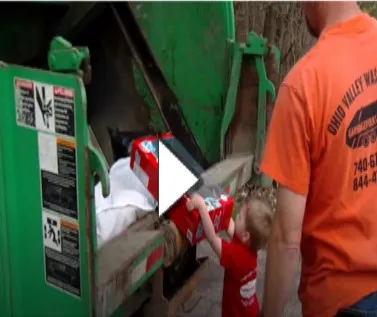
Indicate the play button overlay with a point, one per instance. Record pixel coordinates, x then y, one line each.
174 178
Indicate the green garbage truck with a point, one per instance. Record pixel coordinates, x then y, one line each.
78 82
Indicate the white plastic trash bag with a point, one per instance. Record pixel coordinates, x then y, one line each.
128 201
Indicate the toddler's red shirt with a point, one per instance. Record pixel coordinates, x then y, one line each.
239 294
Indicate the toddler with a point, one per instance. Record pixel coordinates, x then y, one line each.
248 233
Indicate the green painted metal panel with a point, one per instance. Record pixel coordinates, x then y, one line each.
21 197
47 165
191 44
5 301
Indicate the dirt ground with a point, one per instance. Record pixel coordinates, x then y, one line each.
206 301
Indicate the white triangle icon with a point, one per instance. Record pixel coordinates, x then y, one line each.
174 178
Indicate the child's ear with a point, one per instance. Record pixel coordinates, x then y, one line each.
246 236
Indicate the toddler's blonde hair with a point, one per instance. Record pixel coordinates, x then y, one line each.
258 219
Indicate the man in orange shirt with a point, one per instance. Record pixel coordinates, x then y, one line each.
321 149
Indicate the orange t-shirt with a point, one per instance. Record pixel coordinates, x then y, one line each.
322 143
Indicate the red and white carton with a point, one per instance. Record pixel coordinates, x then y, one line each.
144 161
220 208
220 182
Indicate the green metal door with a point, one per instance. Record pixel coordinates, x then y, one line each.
45 263
191 42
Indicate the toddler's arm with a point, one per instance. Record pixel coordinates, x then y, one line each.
197 202
230 230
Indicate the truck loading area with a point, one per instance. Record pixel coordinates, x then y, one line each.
80 82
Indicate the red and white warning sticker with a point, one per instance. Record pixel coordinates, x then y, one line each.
45 107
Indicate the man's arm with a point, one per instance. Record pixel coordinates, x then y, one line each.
283 251
288 163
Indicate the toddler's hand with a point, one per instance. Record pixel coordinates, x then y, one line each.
195 202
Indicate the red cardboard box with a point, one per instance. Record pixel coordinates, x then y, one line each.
189 223
144 161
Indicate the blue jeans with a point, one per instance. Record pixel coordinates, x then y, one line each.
366 307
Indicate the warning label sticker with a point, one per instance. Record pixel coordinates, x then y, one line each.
24 94
57 157
45 107
62 253
44 111
51 231
64 111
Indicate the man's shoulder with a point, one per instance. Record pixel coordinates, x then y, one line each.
306 67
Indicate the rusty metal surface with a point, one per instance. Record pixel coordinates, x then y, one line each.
235 168
147 222
116 254
114 259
